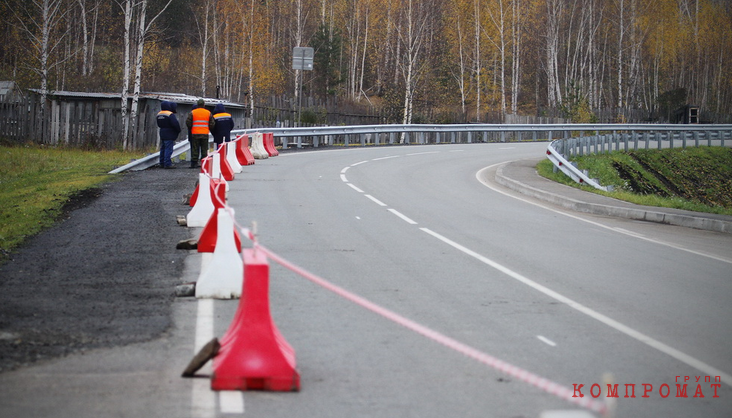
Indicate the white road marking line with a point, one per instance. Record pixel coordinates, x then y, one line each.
546 340
203 400
204 323
409 221
231 402
345 169
358 163
343 178
479 176
354 187
358 217
626 232
678 355
377 201
423 153
385 158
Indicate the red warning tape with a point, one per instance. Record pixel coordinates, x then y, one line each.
509 369
490 361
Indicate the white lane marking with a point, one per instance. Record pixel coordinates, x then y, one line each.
203 400
354 187
546 340
358 217
385 158
204 323
626 232
344 170
377 201
479 176
678 355
231 402
409 221
358 163
423 153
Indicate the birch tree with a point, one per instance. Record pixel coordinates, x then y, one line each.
412 36
41 21
134 9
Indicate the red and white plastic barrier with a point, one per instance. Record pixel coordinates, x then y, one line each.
231 157
243 154
203 207
269 145
222 164
223 275
253 354
258 150
208 239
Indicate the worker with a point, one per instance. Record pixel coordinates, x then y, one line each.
224 125
200 122
169 130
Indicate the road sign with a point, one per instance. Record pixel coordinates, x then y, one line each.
302 58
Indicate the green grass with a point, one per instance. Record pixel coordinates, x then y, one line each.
36 182
697 179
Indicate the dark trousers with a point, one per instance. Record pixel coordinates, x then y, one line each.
199 148
166 150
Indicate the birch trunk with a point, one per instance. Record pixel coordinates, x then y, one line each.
128 10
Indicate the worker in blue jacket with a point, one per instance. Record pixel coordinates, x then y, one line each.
169 130
224 124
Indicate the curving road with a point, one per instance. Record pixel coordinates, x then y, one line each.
415 230
425 233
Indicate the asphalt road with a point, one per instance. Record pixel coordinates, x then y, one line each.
425 233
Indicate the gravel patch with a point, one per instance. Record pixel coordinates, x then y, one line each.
103 276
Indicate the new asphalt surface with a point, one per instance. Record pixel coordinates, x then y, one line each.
105 275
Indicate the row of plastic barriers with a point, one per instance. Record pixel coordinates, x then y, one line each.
252 354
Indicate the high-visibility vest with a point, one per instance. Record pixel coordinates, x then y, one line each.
201 117
223 115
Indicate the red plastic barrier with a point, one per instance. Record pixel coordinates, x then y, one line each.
209 234
226 172
253 354
269 145
243 154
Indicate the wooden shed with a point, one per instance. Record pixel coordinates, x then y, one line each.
95 119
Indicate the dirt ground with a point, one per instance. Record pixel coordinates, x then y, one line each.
103 276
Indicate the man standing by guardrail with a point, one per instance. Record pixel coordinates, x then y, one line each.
169 130
200 122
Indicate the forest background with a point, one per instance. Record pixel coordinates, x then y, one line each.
569 58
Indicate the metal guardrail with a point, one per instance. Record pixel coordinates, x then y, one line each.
461 133
152 159
559 151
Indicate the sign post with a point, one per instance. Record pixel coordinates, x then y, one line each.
302 59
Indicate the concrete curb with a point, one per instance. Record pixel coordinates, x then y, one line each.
639 213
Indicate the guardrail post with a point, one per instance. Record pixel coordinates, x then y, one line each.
696 138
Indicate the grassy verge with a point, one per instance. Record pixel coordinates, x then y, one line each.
697 179
36 182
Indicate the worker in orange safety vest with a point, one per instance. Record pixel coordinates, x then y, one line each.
200 122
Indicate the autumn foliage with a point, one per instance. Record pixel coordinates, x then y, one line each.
569 58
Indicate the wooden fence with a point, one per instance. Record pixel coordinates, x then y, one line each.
96 122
